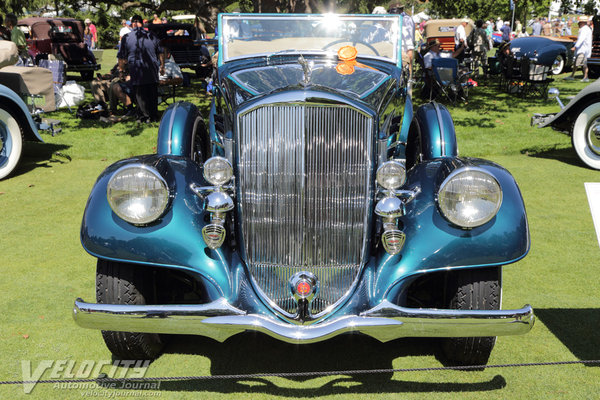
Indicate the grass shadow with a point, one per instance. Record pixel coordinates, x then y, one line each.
40 155
251 353
576 328
565 155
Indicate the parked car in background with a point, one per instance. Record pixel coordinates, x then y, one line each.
187 50
61 38
545 50
581 120
312 201
443 30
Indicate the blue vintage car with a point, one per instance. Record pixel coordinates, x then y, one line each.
16 125
555 51
312 201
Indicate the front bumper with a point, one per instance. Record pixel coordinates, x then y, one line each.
541 120
219 320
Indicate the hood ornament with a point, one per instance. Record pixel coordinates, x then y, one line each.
307 68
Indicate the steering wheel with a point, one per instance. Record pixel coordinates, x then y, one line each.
354 43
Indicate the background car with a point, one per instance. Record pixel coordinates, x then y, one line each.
187 51
311 201
443 30
63 38
545 50
581 120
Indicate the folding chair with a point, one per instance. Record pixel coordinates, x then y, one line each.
535 78
450 82
57 68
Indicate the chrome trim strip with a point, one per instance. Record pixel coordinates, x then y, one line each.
219 320
441 125
171 123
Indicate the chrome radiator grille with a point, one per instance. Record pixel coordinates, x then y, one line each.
304 195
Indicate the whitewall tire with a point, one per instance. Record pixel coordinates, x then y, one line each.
559 65
11 143
586 136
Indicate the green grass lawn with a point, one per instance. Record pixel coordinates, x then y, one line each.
44 268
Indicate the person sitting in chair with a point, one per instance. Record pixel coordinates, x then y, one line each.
172 76
113 88
435 52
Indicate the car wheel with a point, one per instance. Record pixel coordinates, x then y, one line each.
120 283
586 136
472 289
558 65
11 143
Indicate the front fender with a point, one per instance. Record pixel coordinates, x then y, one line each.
12 101
175 131
438 138
434 244
175 240
562 119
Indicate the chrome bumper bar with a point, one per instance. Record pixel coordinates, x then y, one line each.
541 119
219 320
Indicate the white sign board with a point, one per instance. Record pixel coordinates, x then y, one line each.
593 193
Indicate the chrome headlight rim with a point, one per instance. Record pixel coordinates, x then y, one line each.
452 176
210 179
385 185
155 216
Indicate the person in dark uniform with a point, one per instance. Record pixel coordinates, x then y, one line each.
141 50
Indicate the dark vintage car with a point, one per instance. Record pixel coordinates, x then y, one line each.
63 38
186 47
312 201
544 50
580 119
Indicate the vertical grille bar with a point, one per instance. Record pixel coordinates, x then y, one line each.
304 182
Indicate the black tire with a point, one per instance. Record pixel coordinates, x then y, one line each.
472 289
120 283
11 141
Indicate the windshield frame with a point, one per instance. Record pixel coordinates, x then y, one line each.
223 57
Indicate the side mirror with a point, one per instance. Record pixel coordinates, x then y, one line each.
554 93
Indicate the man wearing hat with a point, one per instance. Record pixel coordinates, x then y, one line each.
460 37
125 29
583 48
434 47
140 49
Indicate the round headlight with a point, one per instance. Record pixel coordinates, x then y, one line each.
470 197
137 194
217 171
391 175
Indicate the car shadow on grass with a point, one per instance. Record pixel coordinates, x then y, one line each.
576 328
565 155
40 155
251 353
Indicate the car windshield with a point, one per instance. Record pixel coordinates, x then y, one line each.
250 35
